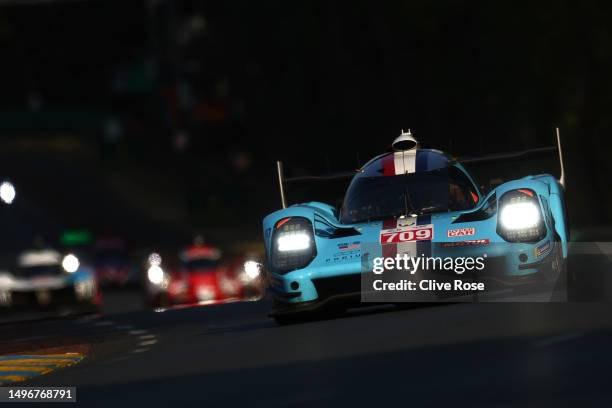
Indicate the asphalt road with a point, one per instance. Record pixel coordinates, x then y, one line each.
487 354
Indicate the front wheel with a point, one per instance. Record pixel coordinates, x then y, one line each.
559 264
559 276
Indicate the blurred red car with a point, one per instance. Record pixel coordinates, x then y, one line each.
200 276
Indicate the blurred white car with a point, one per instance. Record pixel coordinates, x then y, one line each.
44 278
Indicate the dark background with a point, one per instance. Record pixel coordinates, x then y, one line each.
156 119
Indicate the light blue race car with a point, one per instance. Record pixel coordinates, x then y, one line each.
406 204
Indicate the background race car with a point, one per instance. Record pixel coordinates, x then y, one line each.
112 262
418 203
199 274
43 279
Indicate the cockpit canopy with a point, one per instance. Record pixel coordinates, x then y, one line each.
394 185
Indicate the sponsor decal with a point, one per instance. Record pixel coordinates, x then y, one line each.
407 234
542 249
465 243
461 232
349 246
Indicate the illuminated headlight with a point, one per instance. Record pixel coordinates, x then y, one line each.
251 269
293 244
520 216
154 259
293 241
156 275
70 263
7 192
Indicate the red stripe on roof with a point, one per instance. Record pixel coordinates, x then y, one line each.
388 163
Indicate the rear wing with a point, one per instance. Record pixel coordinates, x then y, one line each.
522 154
283 182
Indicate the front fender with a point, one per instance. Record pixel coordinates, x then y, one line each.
551 195
306 210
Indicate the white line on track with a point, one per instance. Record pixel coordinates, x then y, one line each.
137 332
140 350
147 336
148 342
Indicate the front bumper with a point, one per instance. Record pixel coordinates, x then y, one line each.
506 266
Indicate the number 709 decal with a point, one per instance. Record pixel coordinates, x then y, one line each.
407 234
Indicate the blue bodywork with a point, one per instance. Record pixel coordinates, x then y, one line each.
352 252
83 274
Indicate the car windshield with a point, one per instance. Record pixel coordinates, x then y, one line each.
39 270
384 197
202 264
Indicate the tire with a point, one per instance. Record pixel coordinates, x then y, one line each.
559 264
559 276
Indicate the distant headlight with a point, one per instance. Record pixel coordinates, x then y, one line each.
155 274
7 192
70 263
155 259
520 216
251 269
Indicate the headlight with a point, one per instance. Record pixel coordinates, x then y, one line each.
154 259
156 275
7 192
251 269
292 244
520 218
70 263
293 241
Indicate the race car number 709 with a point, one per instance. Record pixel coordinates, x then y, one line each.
407 234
